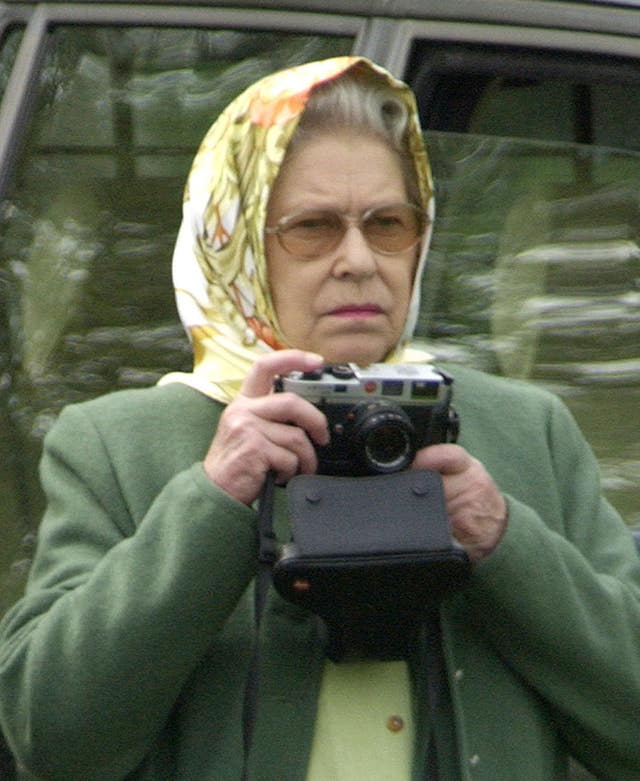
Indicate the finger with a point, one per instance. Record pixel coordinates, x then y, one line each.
446 459
282 461
241 473
259 381
292 409
295 441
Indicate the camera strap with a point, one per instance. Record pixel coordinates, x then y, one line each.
436 681
266 557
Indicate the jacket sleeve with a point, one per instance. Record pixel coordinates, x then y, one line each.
559 600
93 659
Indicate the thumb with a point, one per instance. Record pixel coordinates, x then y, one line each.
447 459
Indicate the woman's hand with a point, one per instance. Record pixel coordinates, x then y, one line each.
476 508
262 431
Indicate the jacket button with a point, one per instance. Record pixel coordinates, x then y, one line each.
395 723
458 675
474 760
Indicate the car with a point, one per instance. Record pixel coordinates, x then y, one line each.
531 110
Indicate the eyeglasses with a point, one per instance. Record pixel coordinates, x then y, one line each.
388 230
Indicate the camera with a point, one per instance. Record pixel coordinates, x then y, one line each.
378 416
371 551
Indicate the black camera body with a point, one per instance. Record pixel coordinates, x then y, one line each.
378 416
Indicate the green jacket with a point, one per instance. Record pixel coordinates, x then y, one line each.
127 657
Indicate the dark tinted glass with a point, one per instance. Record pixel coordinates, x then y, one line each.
524 93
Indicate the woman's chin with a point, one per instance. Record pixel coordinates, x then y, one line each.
362 354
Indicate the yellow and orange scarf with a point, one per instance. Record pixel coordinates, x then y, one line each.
219 264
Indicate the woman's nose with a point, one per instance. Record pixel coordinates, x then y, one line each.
354 256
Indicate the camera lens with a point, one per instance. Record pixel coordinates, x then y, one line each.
387 448
384 438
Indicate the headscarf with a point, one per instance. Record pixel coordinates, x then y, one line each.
219 263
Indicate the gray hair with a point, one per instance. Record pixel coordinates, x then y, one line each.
363 102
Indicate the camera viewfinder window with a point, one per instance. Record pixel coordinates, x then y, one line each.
392 387
425 390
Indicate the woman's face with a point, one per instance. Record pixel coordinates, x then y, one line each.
351 303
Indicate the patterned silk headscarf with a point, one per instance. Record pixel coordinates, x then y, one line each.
219 264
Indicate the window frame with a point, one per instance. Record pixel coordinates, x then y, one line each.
21 94
390 42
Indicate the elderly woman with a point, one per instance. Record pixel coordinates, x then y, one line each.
306 223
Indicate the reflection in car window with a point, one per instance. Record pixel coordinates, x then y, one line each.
533 273
535 265
97 200
9 43
153 92
87 232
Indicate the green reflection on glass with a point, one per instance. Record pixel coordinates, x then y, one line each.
8 50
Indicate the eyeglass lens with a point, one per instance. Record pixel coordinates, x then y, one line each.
388 229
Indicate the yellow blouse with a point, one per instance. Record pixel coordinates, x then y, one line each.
364 725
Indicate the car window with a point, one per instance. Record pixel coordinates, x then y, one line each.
519 92
88 228
9 42
535 264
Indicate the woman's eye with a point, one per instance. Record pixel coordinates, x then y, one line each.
313 222
386 221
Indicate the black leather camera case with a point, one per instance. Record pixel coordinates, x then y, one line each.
371 556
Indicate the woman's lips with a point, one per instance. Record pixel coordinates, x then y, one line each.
356 311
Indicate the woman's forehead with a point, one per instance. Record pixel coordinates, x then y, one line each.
332 166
